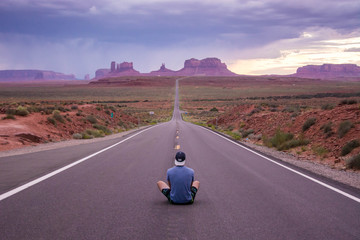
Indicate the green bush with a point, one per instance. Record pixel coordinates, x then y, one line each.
291 109
320 151
234 135
327 128
348 102
102 128
284 141
87 136
91 119
22 111
279 138
77 136
11 111
94 133
354 162
344 128
293 143
214 109
327 106
9 116
308 123
245 133
57 116
349 147
51 120
74 107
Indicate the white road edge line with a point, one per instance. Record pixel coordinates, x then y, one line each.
290 169
38 180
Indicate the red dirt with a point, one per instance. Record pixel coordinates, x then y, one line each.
267 123
35 128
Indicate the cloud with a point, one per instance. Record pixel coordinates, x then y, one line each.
352 50
312 47
81 36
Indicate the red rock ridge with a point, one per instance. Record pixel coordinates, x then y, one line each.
192 67
205 67
31 75
328 71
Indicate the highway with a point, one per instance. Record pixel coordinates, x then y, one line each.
113 194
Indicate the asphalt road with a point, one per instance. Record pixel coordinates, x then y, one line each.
113 195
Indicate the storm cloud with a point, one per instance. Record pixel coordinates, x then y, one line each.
152 32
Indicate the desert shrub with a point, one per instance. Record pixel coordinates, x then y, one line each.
214 109
87 136
107 112
344 128
112 108
327 106
9 116
293 143
327 129
22 111
349 147
77 136
11 111
348 102
246 133
91 119
94 133
32 109
230 128
279 138
102 128
353 162
234 135
51 120
255 110
291 109
74 107
320 150
308 123
98 108
57 116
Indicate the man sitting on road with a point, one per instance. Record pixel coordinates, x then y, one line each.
182 188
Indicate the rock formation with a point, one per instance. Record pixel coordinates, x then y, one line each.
33 75
163 71
192 67
328 71
100 73
206 67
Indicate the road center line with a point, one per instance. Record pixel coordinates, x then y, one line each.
38 180
290 169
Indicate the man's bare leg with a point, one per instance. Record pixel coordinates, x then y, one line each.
162 185
196 184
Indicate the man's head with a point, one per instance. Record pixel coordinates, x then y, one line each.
180 159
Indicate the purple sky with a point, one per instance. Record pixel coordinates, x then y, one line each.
251 37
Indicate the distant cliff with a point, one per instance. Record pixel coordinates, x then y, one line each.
328 71
207 67
33 75
192 67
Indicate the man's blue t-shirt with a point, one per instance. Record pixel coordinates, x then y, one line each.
180 178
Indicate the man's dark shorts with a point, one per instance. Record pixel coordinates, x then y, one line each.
166 192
